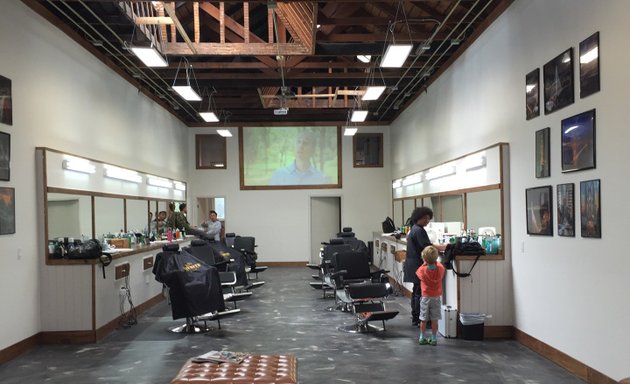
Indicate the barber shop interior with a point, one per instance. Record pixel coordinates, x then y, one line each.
312 192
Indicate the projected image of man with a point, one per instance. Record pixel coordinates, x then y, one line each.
301 170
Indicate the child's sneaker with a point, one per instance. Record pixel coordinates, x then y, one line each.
432 342
423 341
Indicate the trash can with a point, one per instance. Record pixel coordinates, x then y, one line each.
472 325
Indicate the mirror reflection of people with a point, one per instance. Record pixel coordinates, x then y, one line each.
301 170
214 226
178 220
417 240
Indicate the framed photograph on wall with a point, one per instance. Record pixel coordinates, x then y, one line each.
558 82
532 94
539 210
7 211
578 142
589 65
6 107
566 209
5 156
590 209
542 153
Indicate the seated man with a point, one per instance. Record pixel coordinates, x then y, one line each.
213 226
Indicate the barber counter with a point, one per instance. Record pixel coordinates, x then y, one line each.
81 300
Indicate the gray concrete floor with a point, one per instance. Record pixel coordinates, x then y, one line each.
286 316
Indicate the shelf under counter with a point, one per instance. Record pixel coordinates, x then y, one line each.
117 255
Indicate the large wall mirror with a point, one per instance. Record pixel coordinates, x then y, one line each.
398 213
483 209
452 208
137 215
408 207
110 215
69 216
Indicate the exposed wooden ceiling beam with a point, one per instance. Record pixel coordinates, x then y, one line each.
157 20
232 49
171 12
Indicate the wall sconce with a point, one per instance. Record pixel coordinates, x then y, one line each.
186 91
397 183
440 171
159 182
114 172
476 161
179 185
78 165
412 179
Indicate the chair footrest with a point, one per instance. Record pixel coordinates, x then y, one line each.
259 268
254 285
314 266
216 315
380 316
317 284
236 296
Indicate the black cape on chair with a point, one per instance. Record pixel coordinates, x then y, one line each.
194 287
222 251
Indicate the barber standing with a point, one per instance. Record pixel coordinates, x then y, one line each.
417 240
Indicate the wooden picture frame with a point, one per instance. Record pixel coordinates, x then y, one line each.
590 209
6 103
210 151
565 200
589 65
539 211
532 94
578 142
367 150
5 156
542 153
7 211
558 82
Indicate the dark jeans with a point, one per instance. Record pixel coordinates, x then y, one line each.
416 295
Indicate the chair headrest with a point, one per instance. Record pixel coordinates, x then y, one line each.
172 247
346 234
346 229
336 241
230 234
197 242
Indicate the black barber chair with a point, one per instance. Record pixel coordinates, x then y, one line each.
238 265
202 250
194 289
366 300
352 267
247 246
349 238
325 266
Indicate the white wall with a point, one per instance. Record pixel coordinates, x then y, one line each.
280 219
64 98
568 292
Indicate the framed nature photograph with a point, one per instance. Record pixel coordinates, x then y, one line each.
542 153
558 82
7 211
566 209
589 65
539 211
590 209
5 156
532 94
578 142
6 108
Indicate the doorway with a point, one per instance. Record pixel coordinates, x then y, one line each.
325 222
